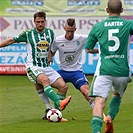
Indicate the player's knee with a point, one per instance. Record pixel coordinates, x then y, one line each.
65 88
86 93
85 90
43 80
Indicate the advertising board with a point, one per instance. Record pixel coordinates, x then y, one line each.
17 15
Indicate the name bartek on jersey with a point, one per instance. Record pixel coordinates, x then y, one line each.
118 23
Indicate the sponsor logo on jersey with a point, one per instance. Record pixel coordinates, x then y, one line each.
43 45
42 54
67 52
69 58
62 45
77 43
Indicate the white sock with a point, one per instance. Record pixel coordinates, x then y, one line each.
45 99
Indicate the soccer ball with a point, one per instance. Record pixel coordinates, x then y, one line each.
54 115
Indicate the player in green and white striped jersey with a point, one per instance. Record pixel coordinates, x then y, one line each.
38 41
113 70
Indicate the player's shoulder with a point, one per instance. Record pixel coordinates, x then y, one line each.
79 36
49 30
24 32
60 38
128 21
31 29
28 30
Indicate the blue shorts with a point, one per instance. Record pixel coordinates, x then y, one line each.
77 78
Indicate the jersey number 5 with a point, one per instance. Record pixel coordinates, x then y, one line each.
113 38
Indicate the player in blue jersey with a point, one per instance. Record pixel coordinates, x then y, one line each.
113 70
44 77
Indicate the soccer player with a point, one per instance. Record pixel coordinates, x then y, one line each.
70 46
113 70
38 41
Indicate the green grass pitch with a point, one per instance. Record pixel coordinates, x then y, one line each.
21 110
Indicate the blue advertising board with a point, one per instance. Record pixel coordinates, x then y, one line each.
13 58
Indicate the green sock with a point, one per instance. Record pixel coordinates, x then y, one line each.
52 95
114 106
62 97
96 124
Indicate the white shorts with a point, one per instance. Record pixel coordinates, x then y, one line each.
34 71
101 85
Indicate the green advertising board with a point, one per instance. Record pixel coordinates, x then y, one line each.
60 7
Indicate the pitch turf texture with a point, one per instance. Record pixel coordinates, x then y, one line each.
21 110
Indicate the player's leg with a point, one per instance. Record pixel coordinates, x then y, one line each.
62 88
84 89
57 81
80 82
36 75
43 79
33 77
114 106
97 120
119 87
100 89
43 96
60 85
78 79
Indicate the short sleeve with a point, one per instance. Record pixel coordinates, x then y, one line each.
21 37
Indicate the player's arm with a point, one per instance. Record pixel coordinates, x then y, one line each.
92 51
50 55
7 42
91 41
